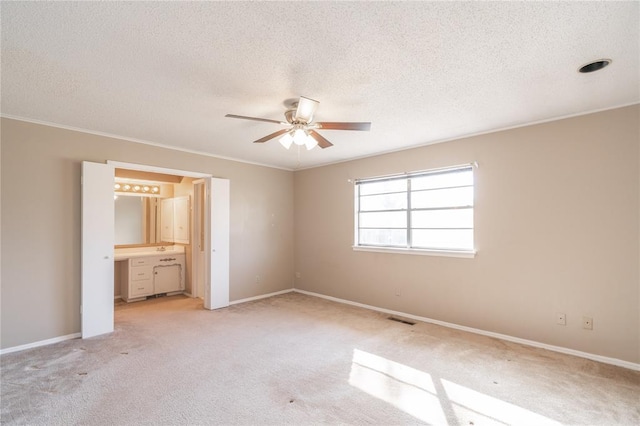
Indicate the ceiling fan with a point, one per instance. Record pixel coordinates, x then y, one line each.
301 129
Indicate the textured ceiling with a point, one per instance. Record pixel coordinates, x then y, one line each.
423 72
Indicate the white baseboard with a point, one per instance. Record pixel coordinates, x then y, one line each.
40 343
77 335
560 349
593 357
262 296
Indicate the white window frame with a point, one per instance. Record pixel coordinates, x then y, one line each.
463 253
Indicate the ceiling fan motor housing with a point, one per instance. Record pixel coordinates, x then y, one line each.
289 114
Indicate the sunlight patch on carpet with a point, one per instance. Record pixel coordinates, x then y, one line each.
468 404
406 388
430 400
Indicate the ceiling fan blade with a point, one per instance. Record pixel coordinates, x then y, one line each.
344 126
306 109
272 135
242 117
322 142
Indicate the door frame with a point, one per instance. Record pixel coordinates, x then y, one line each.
154 169
197 253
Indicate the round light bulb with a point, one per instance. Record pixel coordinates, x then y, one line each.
299 137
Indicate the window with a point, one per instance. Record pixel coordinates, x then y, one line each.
428 210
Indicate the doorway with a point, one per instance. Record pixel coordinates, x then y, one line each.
98 238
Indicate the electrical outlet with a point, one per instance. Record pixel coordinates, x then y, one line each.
398 292
298 275
587 323
257 279
561 319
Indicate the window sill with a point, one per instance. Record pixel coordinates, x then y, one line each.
423 252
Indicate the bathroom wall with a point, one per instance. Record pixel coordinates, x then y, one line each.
185 189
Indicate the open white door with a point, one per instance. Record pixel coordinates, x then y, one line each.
217 201
97 249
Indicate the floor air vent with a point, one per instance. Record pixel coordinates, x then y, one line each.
401 320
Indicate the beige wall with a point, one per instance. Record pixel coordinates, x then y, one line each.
40 176
185 189
556 229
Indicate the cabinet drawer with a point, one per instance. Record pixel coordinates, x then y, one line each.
140 261
140 288
141 273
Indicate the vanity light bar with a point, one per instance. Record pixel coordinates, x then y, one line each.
143 189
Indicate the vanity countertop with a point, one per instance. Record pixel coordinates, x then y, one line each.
130 253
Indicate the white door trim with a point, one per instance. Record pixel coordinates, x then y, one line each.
154 169
197 252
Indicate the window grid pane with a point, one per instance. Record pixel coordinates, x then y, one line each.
450 197
383 219
445 219
384 202
429 211
383 187
383 237
444 239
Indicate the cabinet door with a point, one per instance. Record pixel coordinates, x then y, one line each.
166 220
181 220
167 278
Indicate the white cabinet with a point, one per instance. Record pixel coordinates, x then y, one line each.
181 220
146 276
175 220
137 278
166 220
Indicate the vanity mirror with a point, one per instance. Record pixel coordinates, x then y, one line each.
145 220
137 220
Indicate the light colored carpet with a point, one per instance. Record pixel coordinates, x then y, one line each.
296 359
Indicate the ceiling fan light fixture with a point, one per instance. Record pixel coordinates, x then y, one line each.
310 143
286 140
300 137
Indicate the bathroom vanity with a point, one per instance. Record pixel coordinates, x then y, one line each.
149 272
